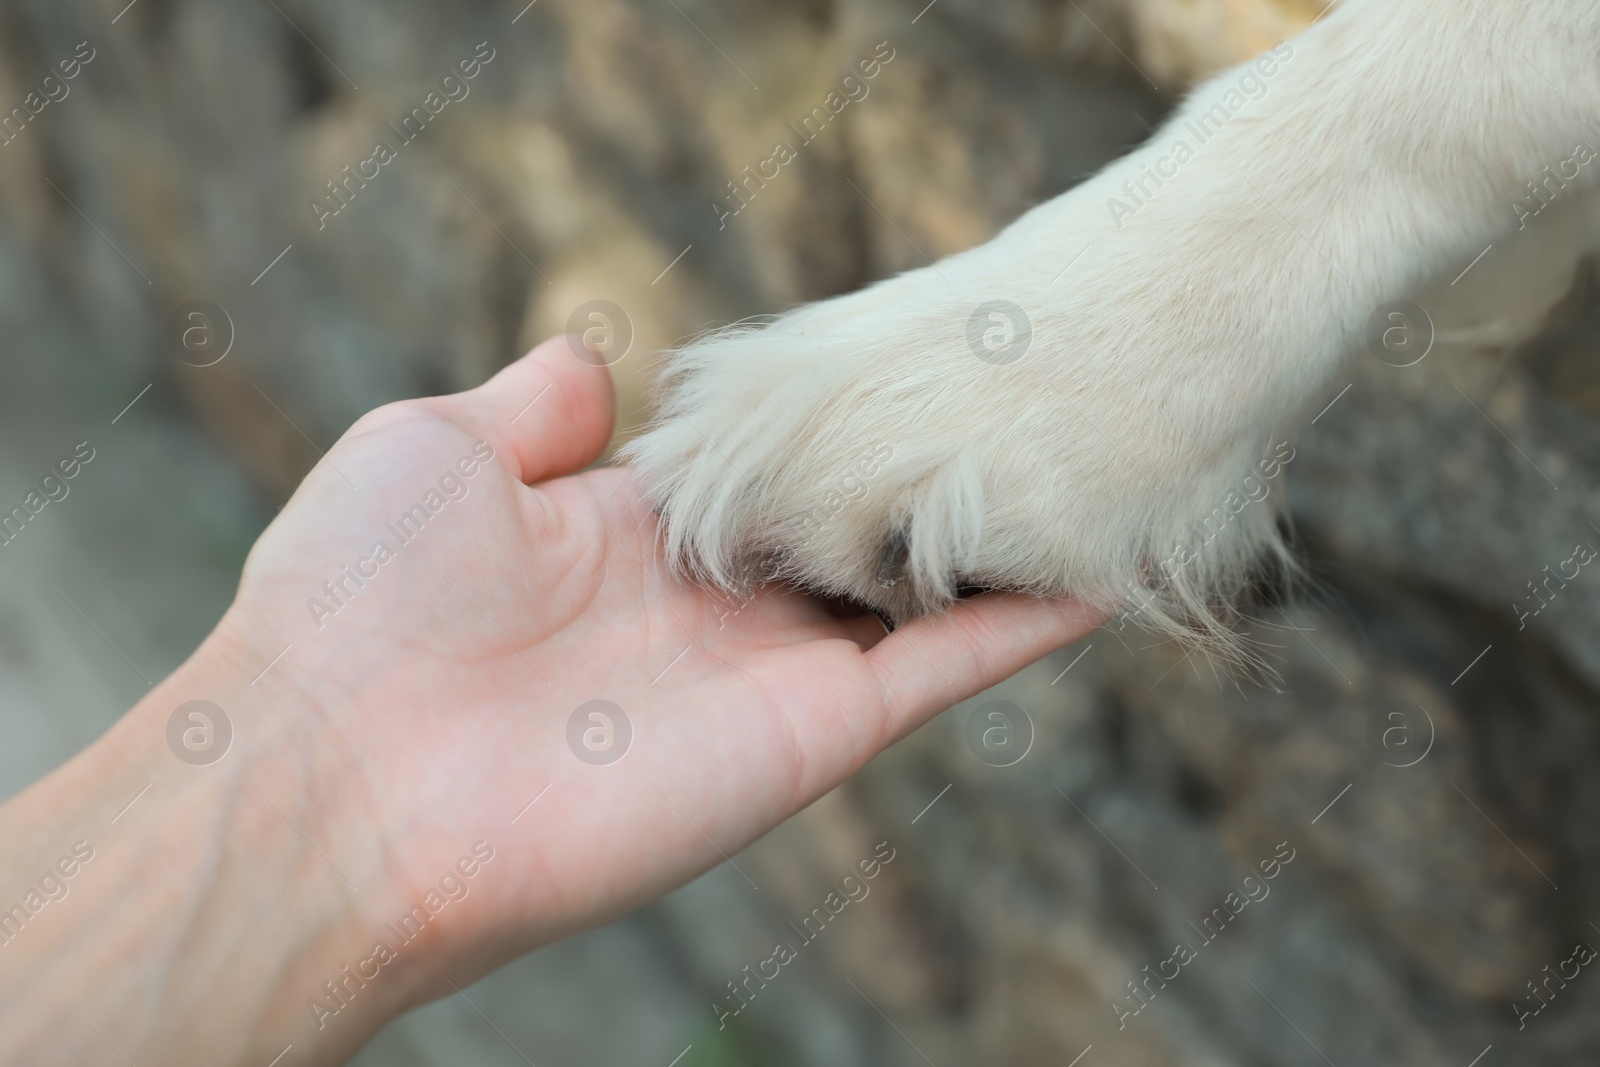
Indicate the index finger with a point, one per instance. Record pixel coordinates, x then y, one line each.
935 662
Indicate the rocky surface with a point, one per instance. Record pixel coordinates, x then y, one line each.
1424 758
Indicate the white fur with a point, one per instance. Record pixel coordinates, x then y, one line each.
1166 361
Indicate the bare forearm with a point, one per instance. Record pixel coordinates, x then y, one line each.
168 911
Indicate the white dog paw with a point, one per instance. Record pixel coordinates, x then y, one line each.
992 421
1088 405
1093 402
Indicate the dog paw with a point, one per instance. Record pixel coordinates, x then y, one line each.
1005 419
1088 405
1093 403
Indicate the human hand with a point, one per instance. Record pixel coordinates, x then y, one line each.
398 718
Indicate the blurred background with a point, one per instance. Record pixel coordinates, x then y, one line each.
1428 760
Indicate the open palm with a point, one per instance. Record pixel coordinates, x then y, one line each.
433 688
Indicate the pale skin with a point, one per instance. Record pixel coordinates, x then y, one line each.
419 720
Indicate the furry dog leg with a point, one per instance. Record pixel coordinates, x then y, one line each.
1094 401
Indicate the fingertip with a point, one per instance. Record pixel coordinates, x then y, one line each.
555 407
584 392
936 662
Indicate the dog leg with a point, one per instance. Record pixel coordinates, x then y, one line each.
1094 401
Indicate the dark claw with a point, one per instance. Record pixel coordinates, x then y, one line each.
892 564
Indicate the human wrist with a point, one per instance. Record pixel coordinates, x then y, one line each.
213 876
